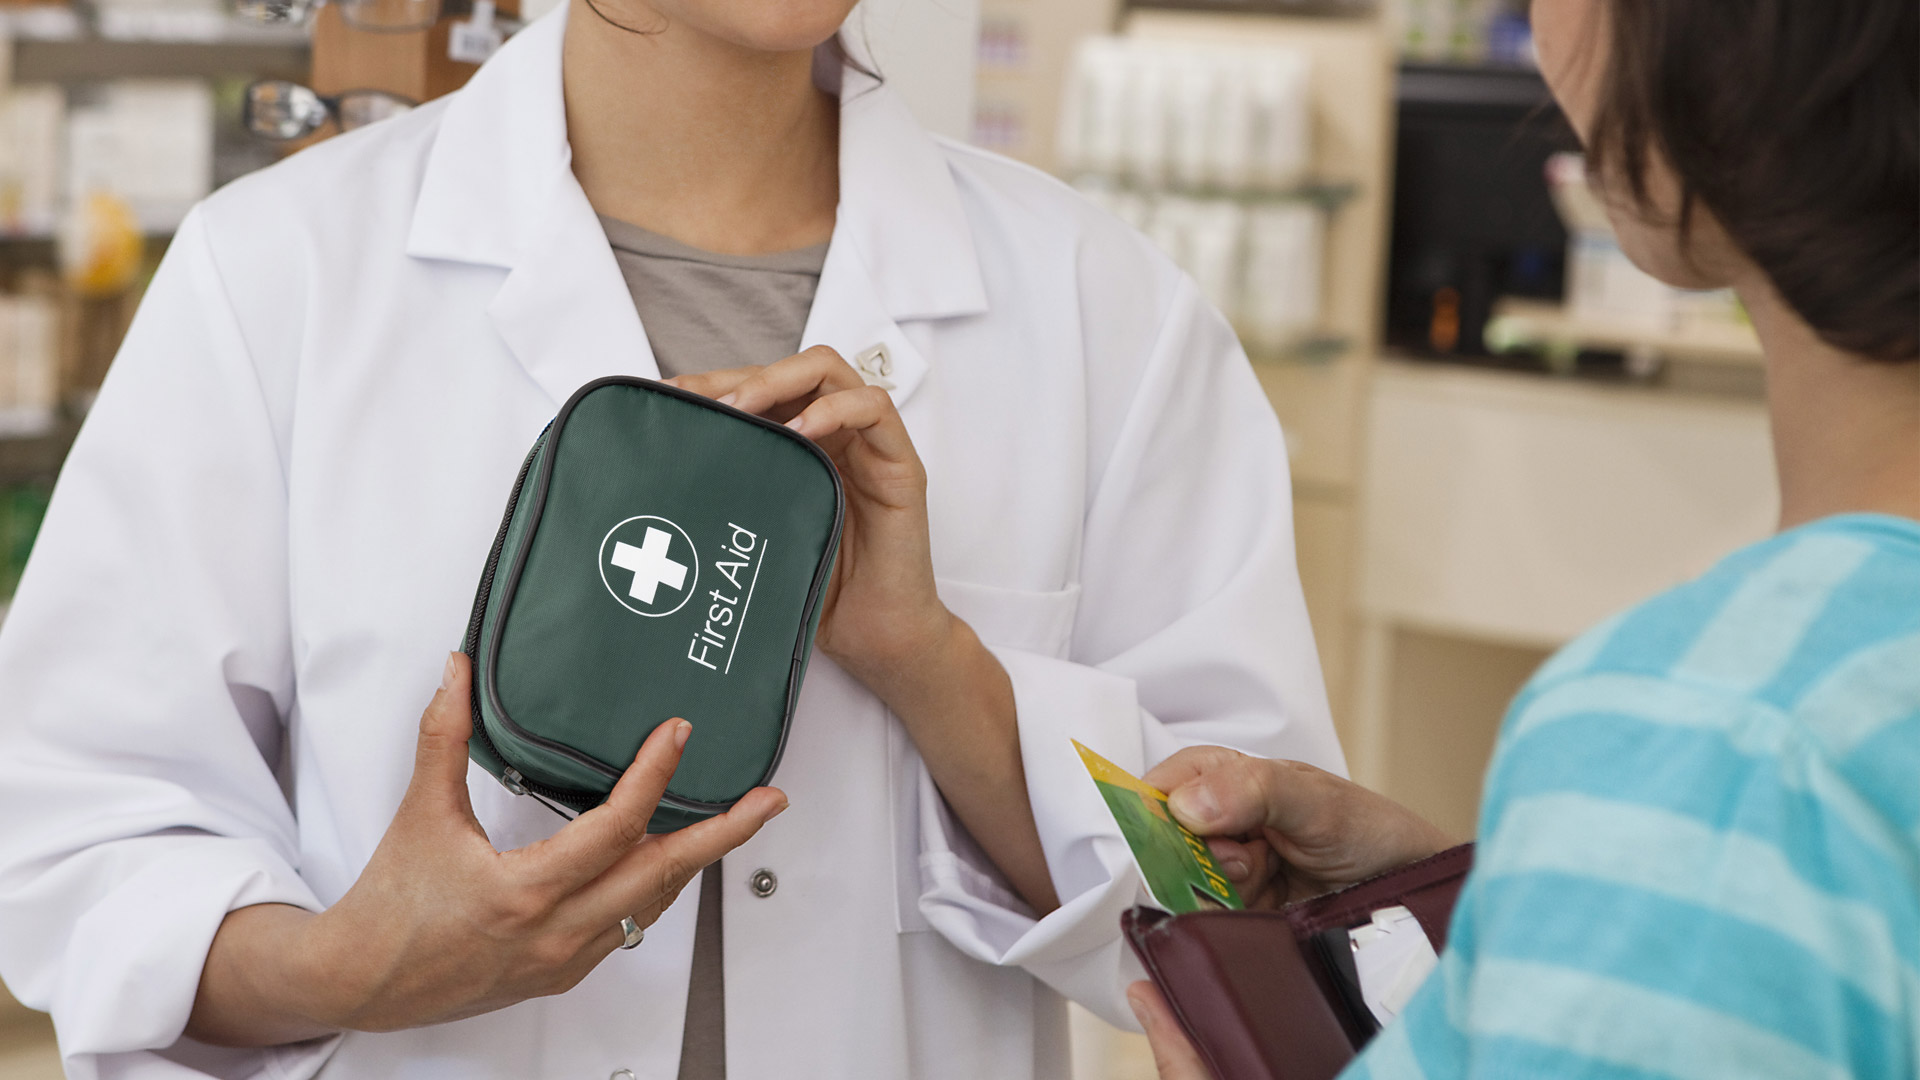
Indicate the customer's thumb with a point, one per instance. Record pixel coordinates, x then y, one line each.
1243 795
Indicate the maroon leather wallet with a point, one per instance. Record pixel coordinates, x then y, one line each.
1270 995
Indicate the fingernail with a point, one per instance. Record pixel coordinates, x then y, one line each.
680 733
1139 1007
725 399
446 673
1195 805
781 809
796 423
1235 868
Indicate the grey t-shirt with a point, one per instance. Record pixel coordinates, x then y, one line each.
703 312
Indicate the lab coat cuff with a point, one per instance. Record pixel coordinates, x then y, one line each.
132 967
1076 948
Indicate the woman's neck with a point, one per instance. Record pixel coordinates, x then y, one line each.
1846 430
725 148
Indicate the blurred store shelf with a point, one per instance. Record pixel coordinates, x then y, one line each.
1320 349
92 59
1519 325
1326 194
1336 8
36 456
57 44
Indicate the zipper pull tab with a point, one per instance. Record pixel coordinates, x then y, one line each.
511 779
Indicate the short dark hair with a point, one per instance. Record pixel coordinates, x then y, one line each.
1797 123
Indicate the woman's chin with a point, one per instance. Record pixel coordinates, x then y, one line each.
772 28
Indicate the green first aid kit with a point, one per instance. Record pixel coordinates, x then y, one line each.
662 556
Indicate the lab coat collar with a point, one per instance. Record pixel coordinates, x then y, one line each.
500 162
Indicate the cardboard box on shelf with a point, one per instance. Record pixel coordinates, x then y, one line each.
414 64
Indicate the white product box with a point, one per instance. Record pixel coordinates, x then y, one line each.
32 121
1281 297
29 364
1214 117
148 141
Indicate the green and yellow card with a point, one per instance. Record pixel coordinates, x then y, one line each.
1179 870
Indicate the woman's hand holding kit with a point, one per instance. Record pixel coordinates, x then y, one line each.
883 620
440 925
881 608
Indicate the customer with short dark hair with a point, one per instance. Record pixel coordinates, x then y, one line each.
1700 845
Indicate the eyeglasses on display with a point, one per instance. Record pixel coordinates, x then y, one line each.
280 110
380 16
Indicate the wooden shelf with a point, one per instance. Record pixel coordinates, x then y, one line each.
98 59
56 43
1529 324
36 458
1353 9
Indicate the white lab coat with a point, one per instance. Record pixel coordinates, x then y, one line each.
270 530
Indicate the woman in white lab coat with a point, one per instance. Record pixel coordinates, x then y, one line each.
268 535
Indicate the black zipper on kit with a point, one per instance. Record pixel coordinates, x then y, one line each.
577 801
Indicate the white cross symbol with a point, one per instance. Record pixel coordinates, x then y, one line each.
650 565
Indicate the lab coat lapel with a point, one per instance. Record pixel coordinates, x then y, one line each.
851 317
565 310
902 247
499 190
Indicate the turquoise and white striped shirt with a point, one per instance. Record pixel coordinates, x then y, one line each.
1700 844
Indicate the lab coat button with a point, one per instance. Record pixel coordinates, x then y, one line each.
621 1074
763 883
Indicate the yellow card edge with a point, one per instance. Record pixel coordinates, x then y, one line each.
1108 773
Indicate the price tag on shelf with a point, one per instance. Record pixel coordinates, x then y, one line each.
472 41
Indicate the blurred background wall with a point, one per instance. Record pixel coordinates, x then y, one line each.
1500 432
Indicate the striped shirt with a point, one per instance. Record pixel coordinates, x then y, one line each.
1700 843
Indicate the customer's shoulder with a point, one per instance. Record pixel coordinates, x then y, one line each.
1770 621
1794 656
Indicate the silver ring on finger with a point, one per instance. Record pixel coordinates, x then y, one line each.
631 934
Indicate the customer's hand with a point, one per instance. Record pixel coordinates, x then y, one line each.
1173 1055
1284 830
441 926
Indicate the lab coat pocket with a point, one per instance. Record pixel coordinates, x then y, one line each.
1036 622
934 858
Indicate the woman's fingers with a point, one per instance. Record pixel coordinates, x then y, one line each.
440 754
868 410
645 881
601 837
1173 1055
818 371
713 384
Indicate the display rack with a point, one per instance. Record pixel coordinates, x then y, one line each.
1319 388
1527 325
70 45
